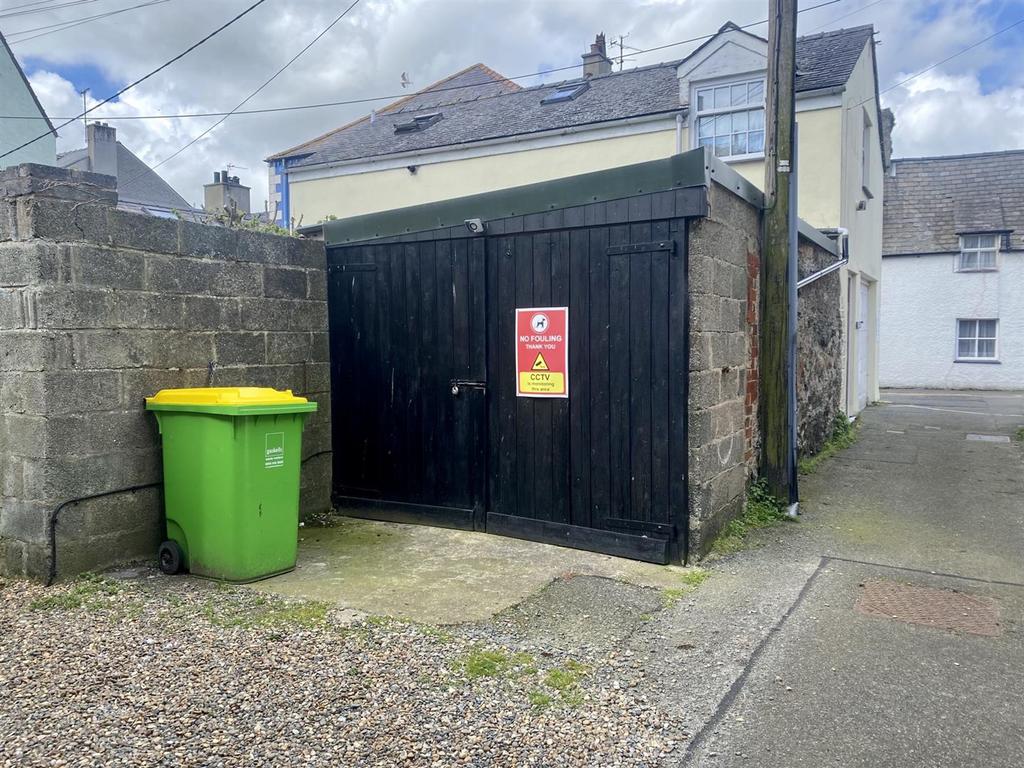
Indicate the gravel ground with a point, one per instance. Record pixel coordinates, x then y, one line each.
158 671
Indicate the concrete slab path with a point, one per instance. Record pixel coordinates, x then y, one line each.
437 575
929 504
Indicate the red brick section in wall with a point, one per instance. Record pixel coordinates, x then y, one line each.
750 403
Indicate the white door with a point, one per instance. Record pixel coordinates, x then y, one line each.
862 348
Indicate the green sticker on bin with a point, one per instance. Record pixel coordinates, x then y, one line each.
274 454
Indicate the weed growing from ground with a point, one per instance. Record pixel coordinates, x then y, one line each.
762 510
263 612
539 700
1019 437
691 579
90 591
844 434
480 662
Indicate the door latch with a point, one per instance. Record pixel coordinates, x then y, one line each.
459 384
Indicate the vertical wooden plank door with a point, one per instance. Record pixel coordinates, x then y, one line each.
594 471
408 352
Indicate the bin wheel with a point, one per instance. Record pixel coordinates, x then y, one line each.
170 557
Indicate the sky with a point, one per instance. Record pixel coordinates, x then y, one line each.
972 103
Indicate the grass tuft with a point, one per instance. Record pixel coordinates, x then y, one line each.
762 510
1019 436
90 591
691 578
539 700
844 434
263 612
484 663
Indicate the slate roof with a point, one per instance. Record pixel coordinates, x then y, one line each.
496 108
136 182
928 201
827 59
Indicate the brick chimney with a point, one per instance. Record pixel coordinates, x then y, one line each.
596 62
102 140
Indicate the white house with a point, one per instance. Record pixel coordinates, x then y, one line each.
19 101
476 131
953 272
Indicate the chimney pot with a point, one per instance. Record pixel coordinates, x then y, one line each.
596 61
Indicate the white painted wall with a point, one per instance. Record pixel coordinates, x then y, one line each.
861 214
16 99
922 298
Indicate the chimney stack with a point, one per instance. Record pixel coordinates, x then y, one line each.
226 192
596 61
102 147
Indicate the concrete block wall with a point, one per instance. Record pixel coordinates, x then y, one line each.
99 308
721 250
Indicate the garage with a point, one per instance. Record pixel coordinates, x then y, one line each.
430 421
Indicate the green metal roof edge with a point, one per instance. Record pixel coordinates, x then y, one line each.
689 169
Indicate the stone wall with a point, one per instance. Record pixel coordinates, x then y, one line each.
722 249
99 308
819 350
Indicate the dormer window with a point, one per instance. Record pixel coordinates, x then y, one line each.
418 123
978 253
565 92
729 118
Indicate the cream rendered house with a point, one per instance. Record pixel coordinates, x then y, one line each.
477 132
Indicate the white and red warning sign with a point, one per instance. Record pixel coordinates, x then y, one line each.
542 352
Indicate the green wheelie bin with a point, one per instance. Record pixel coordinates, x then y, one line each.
231 480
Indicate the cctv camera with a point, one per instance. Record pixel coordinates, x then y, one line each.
475 226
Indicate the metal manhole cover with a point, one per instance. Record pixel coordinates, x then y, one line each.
939 608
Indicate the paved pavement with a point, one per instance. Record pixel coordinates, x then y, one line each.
926 503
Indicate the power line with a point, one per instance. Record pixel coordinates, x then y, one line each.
141 79
267 82
940 63
370 99
34 2
15 12
845 16
75 22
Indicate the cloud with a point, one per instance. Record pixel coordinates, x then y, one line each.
365 54
947 115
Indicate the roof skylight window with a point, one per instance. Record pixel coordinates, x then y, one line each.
566 92
418 123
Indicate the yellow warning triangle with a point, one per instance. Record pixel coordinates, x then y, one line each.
539 364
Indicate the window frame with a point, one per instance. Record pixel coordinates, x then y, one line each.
696 113
958 264
865 156
566 92
976 337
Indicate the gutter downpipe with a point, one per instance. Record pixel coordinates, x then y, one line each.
844 254
794 239
679 133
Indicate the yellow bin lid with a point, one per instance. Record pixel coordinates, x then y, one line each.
234 400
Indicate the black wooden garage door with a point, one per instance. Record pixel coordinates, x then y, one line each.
408 334
427 424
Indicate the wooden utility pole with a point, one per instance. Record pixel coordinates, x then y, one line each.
777 411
